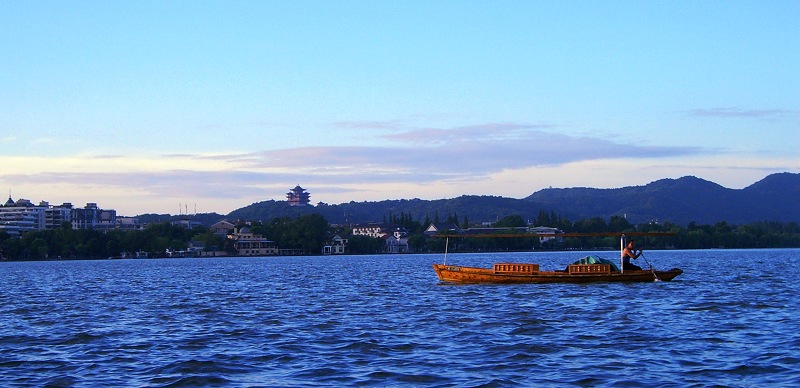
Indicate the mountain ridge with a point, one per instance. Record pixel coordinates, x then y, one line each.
680 201
684 200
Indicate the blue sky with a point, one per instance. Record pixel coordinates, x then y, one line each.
141 106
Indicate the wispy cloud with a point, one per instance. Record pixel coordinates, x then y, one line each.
739 112
492 132
422 154
470 152
108 157
44 140
235 124
176 183
416 157
371 125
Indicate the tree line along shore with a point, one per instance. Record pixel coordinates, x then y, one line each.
308 234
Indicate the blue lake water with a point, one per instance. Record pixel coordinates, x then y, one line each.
729 320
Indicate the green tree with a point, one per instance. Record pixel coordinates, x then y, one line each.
510 222
619 224
113 248
591 225
38 248
359 245
416 242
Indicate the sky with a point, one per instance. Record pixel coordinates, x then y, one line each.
210 106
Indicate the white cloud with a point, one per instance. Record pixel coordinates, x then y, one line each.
507 160
424 154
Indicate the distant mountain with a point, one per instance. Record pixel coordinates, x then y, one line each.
203 218
683 200
680 201
476 208
776 197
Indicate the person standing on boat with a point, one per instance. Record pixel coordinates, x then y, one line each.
630 253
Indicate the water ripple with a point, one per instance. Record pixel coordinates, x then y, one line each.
385 320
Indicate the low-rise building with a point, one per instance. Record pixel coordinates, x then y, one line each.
249 244
441 227
378 229
337 247
395 243
547 233
222 228
395 237
188 224
129 223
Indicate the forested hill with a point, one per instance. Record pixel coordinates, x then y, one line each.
680 201
475 208
683 200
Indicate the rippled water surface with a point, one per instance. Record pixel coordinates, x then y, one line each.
730 319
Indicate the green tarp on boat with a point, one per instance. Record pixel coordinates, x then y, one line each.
597 260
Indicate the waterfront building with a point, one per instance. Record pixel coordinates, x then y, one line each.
22 216
379 230
223 228
337 247
195 249
435 228
249 244
298 197
551 234
395 237
92 217
55 216
129 223
17 217
395 243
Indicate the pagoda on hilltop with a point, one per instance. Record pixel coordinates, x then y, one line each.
297 197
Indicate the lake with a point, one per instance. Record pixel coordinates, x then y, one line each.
385 320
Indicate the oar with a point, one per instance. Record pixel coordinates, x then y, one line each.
651 266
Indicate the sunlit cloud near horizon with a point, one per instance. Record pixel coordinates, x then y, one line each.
448 163
219 105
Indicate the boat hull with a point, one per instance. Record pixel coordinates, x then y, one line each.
461 274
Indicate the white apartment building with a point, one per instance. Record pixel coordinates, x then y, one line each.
20 216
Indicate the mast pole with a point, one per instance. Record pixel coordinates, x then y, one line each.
446 244
622 253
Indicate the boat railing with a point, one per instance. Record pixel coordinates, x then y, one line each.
516 268
579 269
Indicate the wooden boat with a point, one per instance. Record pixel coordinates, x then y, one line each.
530 273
